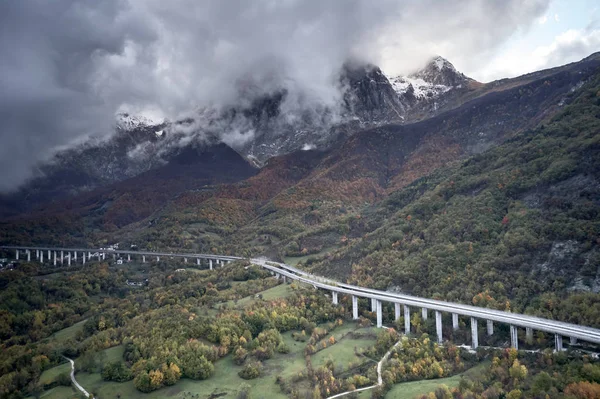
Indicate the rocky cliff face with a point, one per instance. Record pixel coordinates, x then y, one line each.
431 90
265 127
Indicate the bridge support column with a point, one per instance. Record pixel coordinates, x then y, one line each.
529 335
490 327
397 313
62 257
17 255
89 255
75 256
37 253
158 258
210 264
379 314
129 258
143 258
514 337
373 305
83 257
406 319
69 259
41 256
284 279
438 326
454 321
334 297
277 276
184 260
103 255
424 314
572 341
354 308
49 255
474 334
198 261
54 258
28 255
558 343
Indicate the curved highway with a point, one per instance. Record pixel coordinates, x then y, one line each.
559 328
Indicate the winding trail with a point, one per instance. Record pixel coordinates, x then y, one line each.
74 381
379 378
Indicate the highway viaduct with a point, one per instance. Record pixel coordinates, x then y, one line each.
402 303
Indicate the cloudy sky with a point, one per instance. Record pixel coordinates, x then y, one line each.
66 66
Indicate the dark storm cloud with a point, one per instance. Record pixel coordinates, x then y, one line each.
67 66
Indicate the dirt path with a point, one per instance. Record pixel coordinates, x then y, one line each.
74 381
379 378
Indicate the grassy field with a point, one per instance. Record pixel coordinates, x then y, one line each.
67 333
225 381
294 260
50 375
279 291
410 390
60 393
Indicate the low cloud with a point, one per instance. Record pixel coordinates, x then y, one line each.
67 66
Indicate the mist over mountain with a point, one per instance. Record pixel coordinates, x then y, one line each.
147 58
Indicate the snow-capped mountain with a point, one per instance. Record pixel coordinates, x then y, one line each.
261 128
431 89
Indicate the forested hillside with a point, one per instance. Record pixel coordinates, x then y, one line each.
514 228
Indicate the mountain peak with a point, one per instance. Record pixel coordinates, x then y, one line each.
440 63
440 71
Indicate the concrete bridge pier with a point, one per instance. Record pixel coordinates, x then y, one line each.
62 257
83 257
37 253
354 307
285 280
558 343
49 255
474 334
143 258
438 326
397 313
75 256
490 327
406 319
198 261
455 321
69 259
158 258
103 255
28 256
129 258
572 341
373 305
89 255
54 258
41 256
514 337
334 297
17 255
529 335
424 314
379 313
210 264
